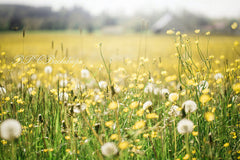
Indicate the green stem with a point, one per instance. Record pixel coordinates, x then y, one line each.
187 145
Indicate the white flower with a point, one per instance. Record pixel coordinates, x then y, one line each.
117 89
63 83
30 90
33 76
103 84
156 91
10 129
48 69
189 106
147 104
85 73
63 96
185 126
76 110
83 106
38 83
80 86
79 107
97 98
149 88
2 91
174 111
164 91
109 149
20 85
218 76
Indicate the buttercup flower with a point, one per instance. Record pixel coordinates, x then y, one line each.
173 97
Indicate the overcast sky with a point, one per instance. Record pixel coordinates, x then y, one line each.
210 8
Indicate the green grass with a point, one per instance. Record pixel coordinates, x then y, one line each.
62 134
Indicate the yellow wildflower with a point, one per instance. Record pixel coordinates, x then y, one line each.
133 105
205 98
113 105
123 145
139 124
226 145
209 116
152 116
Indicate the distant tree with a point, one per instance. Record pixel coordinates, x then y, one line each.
15 23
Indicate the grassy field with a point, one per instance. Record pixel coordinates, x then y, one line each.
135 96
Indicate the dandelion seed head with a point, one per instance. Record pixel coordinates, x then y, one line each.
103 84
48 69
85 73
109 149
2 91
218 76
185 126
147 104
10 129
63 83
189 106
149 88
63 96
175 111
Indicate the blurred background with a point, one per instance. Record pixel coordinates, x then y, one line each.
120 16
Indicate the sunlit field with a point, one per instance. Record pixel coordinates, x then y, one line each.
135 96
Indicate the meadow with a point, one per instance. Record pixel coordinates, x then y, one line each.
135 96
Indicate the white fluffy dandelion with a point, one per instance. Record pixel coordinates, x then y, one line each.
10 129
117 89
147 104
63 83
63 96
85 73
109 149
33 76
185 126
156 91
149 88
103 84
30 90
164 91
2 91
189 106
48 69
218 76
174 111
38 83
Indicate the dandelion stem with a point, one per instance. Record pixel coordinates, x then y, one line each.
187 145
94 132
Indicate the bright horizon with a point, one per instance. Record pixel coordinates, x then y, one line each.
211 9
